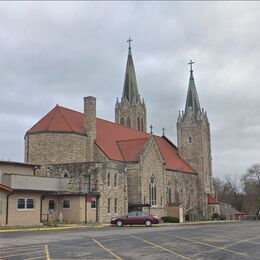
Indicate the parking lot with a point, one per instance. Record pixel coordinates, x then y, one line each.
214 241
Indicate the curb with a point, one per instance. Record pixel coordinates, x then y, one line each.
109 225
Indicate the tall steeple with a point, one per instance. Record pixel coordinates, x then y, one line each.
130 90
131 111
192 100
194 145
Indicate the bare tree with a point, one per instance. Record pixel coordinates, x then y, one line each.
251 181
187 190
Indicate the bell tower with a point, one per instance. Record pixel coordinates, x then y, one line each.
131 111
193 137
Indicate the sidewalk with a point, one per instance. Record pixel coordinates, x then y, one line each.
101 225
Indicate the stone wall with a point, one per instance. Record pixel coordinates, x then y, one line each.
193 134
133 112
49 148
93 178
152 164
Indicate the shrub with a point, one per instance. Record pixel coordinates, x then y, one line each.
215 216
222 217
170 219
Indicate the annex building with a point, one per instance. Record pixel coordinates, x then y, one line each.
80 168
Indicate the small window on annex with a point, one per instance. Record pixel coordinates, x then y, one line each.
66 204
25 204
51 205
93 202
190 140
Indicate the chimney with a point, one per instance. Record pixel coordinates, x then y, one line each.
90 126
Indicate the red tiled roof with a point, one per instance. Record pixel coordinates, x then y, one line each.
60 119
117 142
5 188
212 200
130 149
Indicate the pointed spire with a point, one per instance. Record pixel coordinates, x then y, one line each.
192 101
130 91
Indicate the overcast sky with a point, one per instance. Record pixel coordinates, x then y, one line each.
58 52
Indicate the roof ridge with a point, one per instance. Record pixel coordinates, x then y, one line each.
132 129
72 110
130 140
119 148
65 118
51 116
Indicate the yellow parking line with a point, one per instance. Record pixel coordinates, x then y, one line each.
242 241
13 249
47 252
38 257
163 248
209 245
24 254
108 250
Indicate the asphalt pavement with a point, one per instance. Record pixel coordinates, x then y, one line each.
212 241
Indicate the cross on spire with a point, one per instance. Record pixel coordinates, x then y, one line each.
151 129
190 63
163 130
129 42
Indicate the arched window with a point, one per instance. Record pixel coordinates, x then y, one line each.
108 179
152 191
169 193
115 180
122 121
128 122
138 123
142 124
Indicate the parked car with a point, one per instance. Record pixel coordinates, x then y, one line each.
135 217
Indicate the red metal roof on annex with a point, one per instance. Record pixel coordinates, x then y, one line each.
117 142
5 188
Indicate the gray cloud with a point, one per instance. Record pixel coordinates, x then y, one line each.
59 52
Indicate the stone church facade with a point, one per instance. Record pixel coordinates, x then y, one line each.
119 165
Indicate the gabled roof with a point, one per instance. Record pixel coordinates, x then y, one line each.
117 142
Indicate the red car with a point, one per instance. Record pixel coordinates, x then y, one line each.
135 217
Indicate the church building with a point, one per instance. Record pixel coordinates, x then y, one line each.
102 169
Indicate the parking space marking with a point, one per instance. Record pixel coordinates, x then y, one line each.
47 252
37 257
108 250
232 238
14 249
209 245
163 248
24 254
242 241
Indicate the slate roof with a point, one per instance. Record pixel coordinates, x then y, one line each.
226 209
116 141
